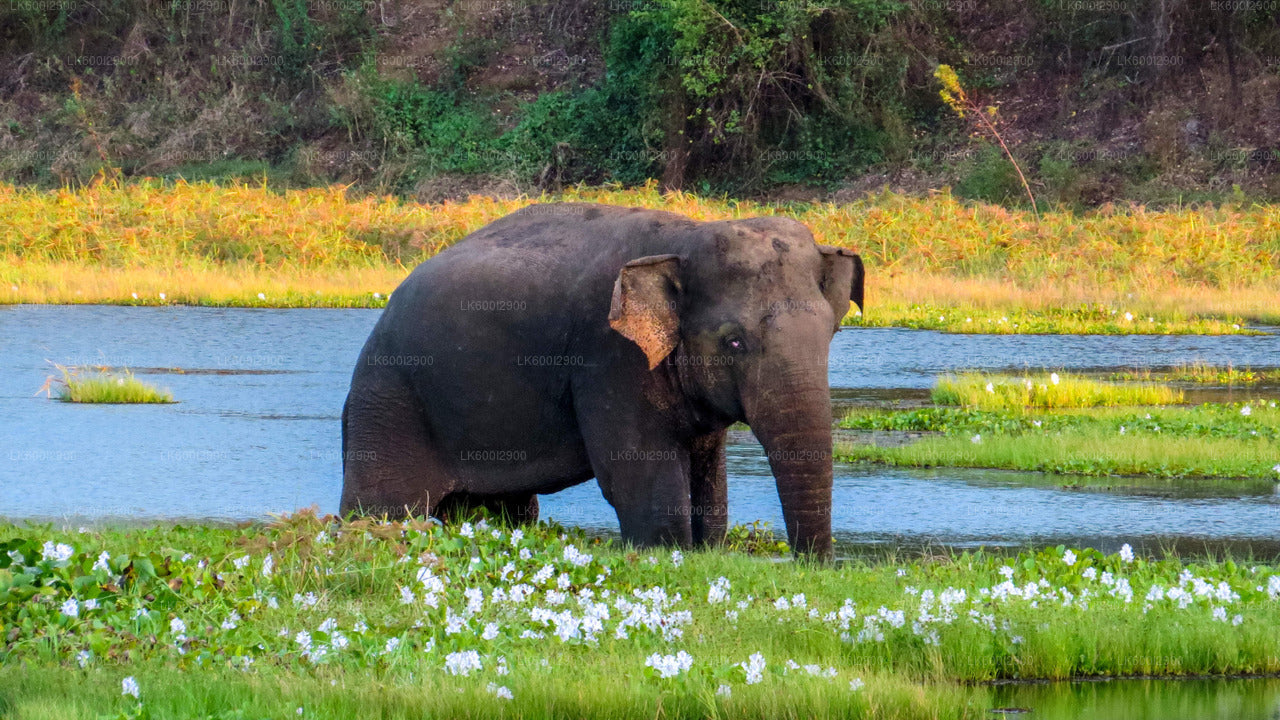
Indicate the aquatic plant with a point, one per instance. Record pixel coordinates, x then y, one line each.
343 617
1045 390
118 386
1204 374
1228 440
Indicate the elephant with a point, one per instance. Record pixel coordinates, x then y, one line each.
571 341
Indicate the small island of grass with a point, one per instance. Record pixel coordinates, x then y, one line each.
1075 426
109 388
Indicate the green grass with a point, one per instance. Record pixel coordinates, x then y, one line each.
1046 390
209 630
932 263
1207 441
1204 374
109 388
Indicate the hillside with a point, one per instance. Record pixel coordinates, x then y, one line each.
1153 101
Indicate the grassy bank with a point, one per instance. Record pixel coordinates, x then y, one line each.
1203 374
932 263
1239 440
393 620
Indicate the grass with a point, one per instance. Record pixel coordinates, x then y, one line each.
365 618
119 387
1046 390
932 262
1203 374
1207 441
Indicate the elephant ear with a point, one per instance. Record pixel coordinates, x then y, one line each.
645 302
842 279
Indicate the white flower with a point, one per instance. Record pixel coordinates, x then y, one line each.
490 631
677 558
467 530
1276 468
1237 619
574 557
1006 571
70 608
499 690
377 296
525 554
406 596
303 638
1128 316
719 591
129 686
57 553
1246 411
161 296
516 536
1126 553
462 663
856 684
84 656
1053 378
1069 558
976 439
392 644
1090 573
177 627
724 691
232 620
262 296
268 564
753 668
1220 613
1121 429
669 666
102 561
991 388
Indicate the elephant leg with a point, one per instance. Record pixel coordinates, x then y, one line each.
648 486
388 464
516 509
709 489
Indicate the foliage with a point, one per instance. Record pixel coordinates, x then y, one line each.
398 619
1203 374
934 263
1239 440
1046 390
115 387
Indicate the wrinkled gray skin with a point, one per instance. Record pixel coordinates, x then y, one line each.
571 341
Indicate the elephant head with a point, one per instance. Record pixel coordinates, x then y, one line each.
743 319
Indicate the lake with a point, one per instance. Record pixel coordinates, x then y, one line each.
256 431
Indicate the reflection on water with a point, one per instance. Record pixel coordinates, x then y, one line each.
1239 699
241 444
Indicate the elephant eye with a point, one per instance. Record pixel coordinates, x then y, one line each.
733 342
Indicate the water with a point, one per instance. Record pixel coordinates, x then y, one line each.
1202 699
261 435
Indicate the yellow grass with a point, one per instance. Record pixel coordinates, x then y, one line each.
931 262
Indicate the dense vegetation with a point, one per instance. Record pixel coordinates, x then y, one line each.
1076 426
932 263
1151 100
324 619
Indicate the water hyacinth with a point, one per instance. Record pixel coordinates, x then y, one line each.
129 687
669 666
496 616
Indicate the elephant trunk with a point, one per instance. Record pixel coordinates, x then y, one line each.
793 423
